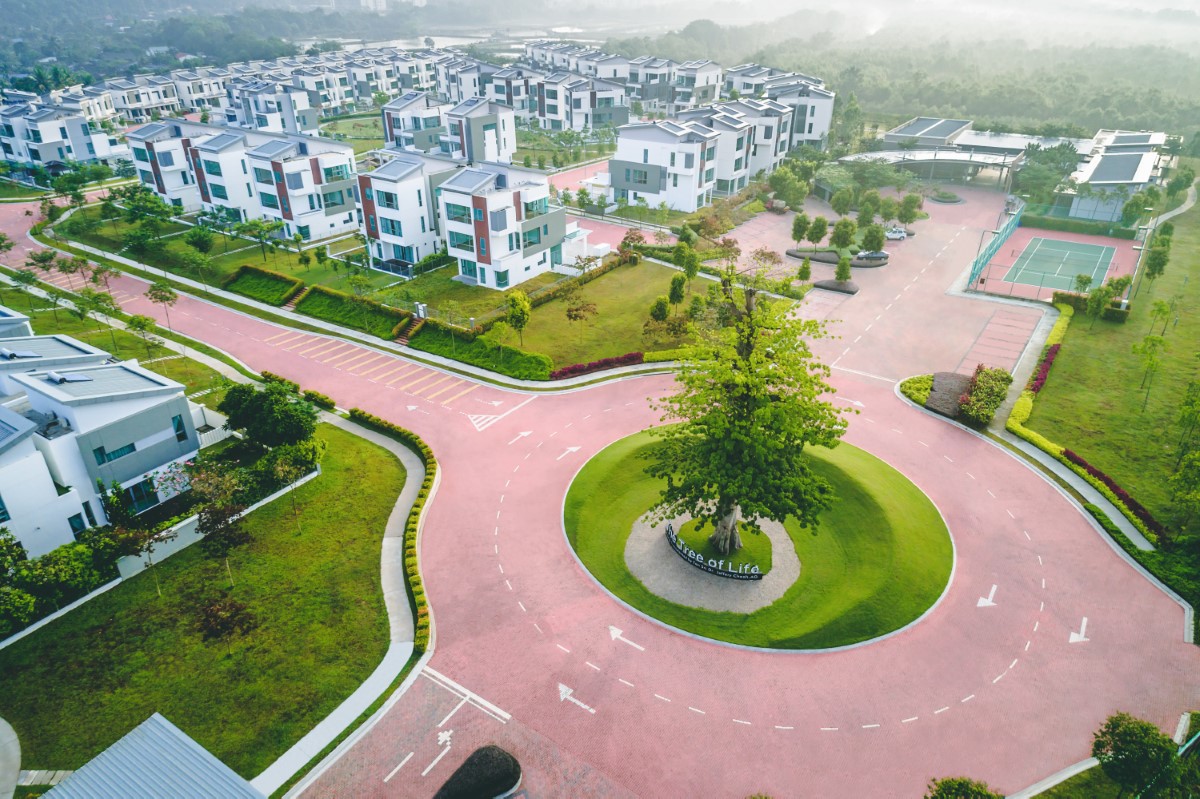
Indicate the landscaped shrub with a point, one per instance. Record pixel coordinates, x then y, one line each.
986 392
1071 299
478 352
556 290
663 356
411 566
1144 515
356 312
1059 331
1109 526
263 285
271 377
319 399
1043 370
917 388
1086 226
576 369
433 261
1115 314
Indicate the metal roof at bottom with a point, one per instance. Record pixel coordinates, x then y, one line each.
154 760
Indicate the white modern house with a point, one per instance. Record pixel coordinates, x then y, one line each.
566 101
500 225
144 97
811 104
416 120
400 210
307 183
37 132
697 83
665 162
480 130
735 143
272 106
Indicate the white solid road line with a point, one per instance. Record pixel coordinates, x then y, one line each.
436 760
392 773
477 700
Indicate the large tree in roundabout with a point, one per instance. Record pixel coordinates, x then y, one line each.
750 399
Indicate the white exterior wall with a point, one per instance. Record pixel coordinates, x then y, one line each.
179 184
38 515
687 189
415 213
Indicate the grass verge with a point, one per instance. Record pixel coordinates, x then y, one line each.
881 556
312 584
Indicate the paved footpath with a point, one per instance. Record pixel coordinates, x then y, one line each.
1008 692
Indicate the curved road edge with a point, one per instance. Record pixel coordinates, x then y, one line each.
393 584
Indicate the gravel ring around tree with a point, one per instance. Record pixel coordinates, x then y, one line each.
650 558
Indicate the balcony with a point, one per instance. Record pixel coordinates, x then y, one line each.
461 218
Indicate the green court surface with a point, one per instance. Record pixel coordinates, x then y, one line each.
1050 263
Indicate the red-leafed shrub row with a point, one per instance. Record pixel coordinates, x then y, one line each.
1043 370
575 369
1129 502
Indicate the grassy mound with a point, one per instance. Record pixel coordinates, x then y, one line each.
880 558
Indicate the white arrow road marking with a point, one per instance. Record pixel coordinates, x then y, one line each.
415 408
617 636
987 601
565 695
855 403
1081 636
568 452
521 435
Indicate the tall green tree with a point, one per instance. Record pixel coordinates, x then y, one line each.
272 417
843 234
200 239
817 230
144 326
162 294
744 412
677 291
1132 752
842 272
799 228
519 312
873 238
260 230
841 201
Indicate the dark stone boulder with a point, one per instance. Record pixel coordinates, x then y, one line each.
487 773
947 388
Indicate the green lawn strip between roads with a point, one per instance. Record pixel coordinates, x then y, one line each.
1092 403
15 191
881 557
76 686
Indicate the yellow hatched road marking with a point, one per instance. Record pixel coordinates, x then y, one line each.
291 335
383 365
461 393
431 385
346 364
443 390
406 374
377 378
340 353
302 343
429 376
278 335
321 344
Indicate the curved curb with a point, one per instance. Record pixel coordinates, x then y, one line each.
1188 610
744 647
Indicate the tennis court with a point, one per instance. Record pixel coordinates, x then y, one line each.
1053 264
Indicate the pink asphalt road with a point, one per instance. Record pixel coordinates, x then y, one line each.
995 691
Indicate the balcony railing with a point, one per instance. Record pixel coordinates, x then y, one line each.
465 246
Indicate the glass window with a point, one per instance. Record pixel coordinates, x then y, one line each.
478 214
531 238
166 159
77 525
139 154
502 279
4 514
212 167
218 191
467 268
483 246
334 197
269 200
142 495
391 227
339 172
180 430
103 456
387 199
461 241
263 176
458 213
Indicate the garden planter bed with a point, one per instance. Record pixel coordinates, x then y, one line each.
831 257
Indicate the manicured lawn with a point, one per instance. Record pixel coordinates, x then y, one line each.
623 298
15 191
194 376
755 551
880 558
363 133
76 686
1092 403
439 287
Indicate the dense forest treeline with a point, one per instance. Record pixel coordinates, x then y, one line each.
1009 82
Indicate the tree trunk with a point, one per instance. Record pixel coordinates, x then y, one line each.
725 537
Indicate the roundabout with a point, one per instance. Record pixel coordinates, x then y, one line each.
880 559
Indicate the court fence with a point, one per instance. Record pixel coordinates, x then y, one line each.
999 238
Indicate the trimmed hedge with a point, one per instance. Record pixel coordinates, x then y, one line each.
663 356
917 388
1059 331
273 288
271 377
1078 302
1129 502
319 399
560 288
411 567
439 339
355 312
575 369
1110 229
1038 379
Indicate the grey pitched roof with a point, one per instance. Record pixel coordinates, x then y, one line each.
469 180
13 428
220 142
154 760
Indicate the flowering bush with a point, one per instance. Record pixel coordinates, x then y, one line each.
1039 377
988 387
576 369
